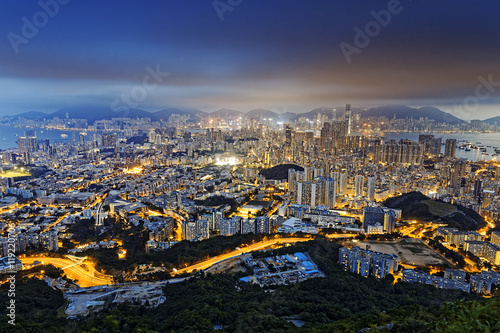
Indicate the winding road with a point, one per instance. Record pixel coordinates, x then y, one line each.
73 271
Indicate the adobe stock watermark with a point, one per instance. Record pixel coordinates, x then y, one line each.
372 29
222 6
140 92
484 89
30 28
11 293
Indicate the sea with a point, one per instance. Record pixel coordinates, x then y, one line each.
9 134
488 140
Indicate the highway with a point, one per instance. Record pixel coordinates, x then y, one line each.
254 247
340 235
86 279
75 272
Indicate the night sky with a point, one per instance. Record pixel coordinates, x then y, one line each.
281 55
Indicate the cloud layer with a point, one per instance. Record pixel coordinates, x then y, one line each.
270 54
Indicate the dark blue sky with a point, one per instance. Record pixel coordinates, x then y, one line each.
270 54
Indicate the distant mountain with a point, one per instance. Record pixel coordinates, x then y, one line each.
260 114
33 115
165 113
226 113
403 111
93 113
314 113
492 120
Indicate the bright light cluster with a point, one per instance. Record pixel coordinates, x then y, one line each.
226 161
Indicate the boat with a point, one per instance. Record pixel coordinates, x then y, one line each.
64 136
467 149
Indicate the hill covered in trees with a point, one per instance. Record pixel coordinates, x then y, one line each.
416 206
340 302
279 172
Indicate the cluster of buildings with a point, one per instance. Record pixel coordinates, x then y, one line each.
132 165
283 269
83 301
377 220
473 242
10 264
202 227
368 263
455 279
45 241
93 246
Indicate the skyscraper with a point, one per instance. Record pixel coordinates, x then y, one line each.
288 135
27 143
450 147
347 119
359 182
370 191
477 190
389 221
330 192
343 183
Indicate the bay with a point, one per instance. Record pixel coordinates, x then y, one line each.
9 134
484 139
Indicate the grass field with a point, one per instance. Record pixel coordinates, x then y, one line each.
439 208
14 173
411 252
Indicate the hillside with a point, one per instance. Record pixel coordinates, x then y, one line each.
225 113
93 113
279 172
340 302
260 114
33 115
403 111
492 120
416 206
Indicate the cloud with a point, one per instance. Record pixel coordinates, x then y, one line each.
264 54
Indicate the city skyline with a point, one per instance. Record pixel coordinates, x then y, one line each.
249 166
293 57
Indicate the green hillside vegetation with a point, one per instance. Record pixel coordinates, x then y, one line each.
416 206
340 302
279 172
179 255
216 200
439 208
412 206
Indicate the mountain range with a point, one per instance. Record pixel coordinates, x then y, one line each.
93 113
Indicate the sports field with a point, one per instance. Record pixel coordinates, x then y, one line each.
438 208
410 251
